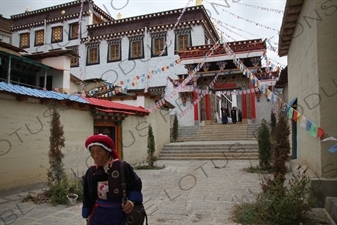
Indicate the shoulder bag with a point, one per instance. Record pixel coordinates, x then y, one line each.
138 215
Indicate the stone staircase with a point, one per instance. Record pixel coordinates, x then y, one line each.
213 142
218 132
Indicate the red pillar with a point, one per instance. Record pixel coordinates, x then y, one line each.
208 107
196 114
252 98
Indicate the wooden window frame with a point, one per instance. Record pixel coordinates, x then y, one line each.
28 40
71 28
52 34
132 47
180 34
36 38
89 62
76 59
156 52
118 58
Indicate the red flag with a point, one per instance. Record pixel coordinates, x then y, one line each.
320 132
295 115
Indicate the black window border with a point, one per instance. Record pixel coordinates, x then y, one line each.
35 39
88 56
155 36
69 35
181 32
136 39
52 34
114 42
28 40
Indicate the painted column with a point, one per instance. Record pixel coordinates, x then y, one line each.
252 99
208 107
196 115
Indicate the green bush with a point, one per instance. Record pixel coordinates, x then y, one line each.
275 207
57 194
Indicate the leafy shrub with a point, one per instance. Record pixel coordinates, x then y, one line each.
275 207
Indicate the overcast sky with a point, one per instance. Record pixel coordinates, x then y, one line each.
243 29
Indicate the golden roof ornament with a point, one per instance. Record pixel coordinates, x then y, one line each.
119 16
27 9
198 2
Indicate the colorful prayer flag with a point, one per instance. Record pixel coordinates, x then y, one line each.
333 149
330 139
313 130
290 112
295 115
308 126
303 121
320 132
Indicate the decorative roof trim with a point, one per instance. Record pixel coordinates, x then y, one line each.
100 11
146 16
117 35
54 20
49 8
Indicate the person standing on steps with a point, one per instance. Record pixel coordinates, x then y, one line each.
224 118
233 115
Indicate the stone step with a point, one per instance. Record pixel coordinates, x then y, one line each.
211 155
207 158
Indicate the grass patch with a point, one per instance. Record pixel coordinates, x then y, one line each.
257 169
147 167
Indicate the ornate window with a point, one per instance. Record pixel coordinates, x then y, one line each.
24 40
73 31
183 39
114 50
136 47
158 43
93 54
39 37
57 34
74 60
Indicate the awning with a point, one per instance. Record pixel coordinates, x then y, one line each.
291 103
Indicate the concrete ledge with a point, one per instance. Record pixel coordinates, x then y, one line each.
320 188
331 207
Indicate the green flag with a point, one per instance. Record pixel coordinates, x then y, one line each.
313 130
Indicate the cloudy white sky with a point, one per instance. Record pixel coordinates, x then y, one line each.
225 11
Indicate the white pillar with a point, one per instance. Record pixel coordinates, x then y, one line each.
234 100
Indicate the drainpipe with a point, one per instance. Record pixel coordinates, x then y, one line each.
9 69
45 35
45 78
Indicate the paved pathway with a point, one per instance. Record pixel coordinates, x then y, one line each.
184 193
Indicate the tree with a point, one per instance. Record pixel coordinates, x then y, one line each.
264 145
175 128
272 122
57 141
280 147
151 158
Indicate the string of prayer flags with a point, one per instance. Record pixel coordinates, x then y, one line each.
260 7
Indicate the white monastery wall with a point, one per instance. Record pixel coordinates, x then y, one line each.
25 131
303 83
